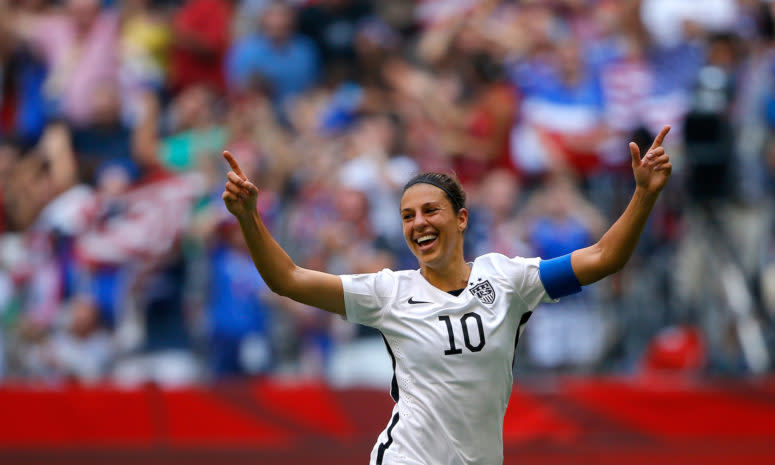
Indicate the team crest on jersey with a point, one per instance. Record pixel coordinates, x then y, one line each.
484 292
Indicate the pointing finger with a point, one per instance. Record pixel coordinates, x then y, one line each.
660 137
233 164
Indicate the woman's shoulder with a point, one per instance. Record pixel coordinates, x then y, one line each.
503 262
385 274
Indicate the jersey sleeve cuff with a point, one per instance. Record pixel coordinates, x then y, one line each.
558 277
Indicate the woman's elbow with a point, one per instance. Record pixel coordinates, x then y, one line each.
286 285
282 287
595 264
615 267
611 265
278 285
280 290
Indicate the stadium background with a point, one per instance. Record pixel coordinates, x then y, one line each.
133 327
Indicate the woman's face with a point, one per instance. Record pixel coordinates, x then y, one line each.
432 229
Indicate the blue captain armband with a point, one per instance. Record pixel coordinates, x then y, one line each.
558 277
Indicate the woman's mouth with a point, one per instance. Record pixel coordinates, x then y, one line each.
426 241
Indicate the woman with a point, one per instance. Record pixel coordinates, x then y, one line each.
451 326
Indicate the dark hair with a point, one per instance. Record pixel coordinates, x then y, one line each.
447 183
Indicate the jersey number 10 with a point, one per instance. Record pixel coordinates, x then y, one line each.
453 350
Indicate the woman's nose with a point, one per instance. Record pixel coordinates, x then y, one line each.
419 221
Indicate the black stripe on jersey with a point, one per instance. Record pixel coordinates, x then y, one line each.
394 382
389 442
522 322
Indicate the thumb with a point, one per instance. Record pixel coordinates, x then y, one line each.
635 152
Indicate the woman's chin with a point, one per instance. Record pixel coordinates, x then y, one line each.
429 258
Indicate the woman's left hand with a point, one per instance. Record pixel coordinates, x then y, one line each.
654 169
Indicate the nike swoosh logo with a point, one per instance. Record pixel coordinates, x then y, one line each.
412 301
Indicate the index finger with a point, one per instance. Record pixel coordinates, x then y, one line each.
660 137
233 164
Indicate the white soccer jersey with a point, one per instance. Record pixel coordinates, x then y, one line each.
452 357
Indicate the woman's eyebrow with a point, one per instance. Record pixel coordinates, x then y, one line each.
426 204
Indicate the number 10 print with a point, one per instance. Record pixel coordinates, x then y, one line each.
453 350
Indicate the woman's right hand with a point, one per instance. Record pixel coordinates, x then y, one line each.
240 195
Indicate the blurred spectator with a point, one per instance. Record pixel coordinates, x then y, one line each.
133 263
560 220
572 334
487 116
107 139
238 314
145 40
36 178
275 53
106 279
195 132
333 25
22 108
474 105
494 225
80 49
112 120
83 349
375 42
247 15
379 170
201 35
9 154
31 354
669 21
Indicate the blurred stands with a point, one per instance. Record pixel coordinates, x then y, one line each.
119 263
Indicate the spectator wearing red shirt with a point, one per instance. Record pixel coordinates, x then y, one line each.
201 31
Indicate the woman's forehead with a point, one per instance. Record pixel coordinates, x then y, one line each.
420 194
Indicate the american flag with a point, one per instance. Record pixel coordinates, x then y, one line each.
151 218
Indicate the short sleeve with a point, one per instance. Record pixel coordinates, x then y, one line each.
365 296
524 276
530 287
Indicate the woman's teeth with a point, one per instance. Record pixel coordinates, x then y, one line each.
425 238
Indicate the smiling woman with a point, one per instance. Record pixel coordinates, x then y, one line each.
451 326
434 218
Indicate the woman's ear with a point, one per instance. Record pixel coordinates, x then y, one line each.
462 219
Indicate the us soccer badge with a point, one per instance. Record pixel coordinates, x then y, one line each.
484 292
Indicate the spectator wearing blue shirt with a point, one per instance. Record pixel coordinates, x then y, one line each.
22 103
573 334
237 316
561 220
275 54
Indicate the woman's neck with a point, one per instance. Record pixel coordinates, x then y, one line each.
447 278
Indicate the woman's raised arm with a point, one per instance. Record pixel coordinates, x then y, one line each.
280 273
614 249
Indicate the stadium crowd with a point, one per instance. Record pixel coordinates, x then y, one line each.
118 260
